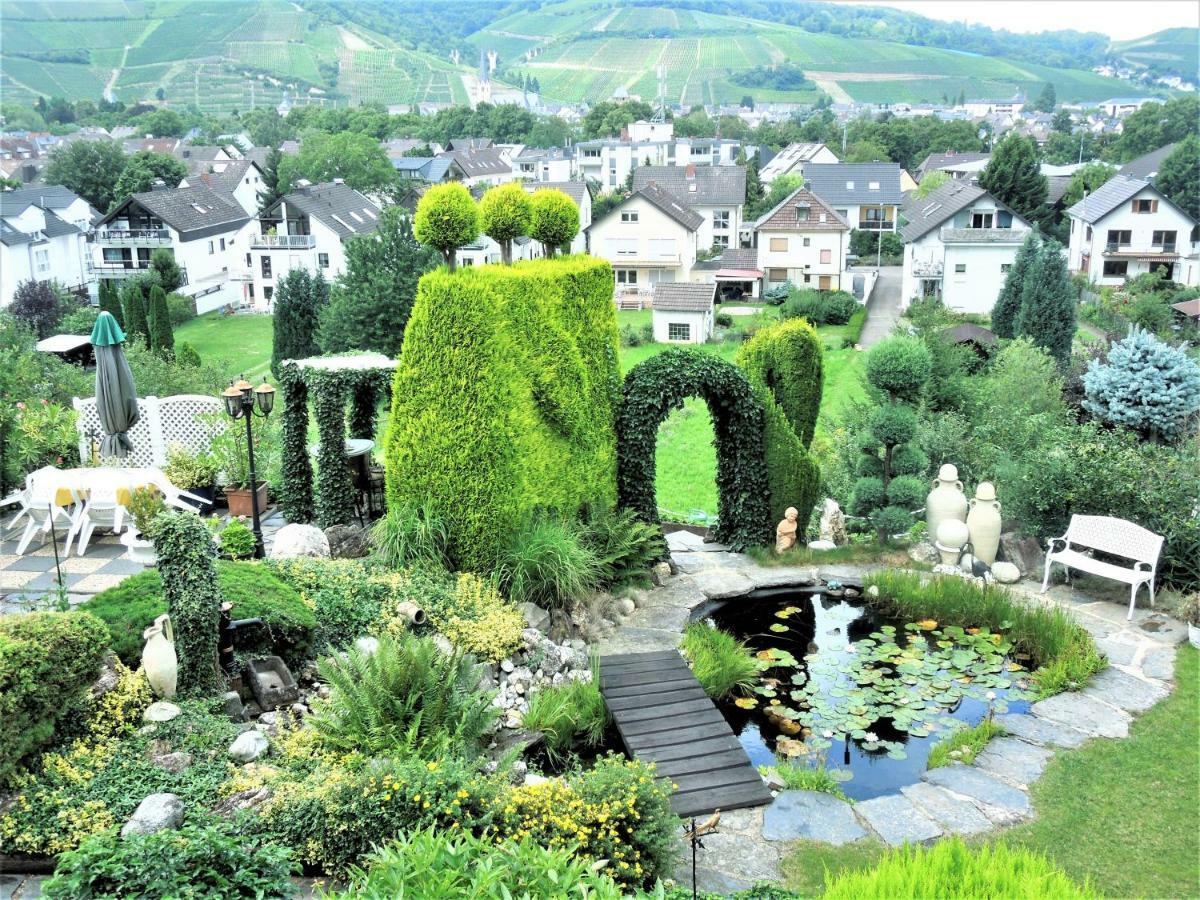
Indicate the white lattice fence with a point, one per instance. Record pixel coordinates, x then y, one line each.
162 422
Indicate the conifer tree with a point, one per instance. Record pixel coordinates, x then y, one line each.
1014 177
297 316
110 302
1008 303
134 304
1047 314
162 336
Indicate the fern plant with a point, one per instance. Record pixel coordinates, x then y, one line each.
407 697
624 546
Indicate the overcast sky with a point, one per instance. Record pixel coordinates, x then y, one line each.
1119 19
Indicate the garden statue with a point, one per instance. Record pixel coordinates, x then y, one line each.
833 523
159 661
946 500
785 531
983 521
952 536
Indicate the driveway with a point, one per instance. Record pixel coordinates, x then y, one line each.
883 309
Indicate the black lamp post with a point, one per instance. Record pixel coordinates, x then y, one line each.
241 399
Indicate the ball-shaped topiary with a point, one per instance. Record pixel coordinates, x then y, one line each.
868 494
869 465
909 460
899 367
447 218
506 213
907 491
891 520
893 424
555 219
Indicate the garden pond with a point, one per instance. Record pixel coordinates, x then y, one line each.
866 696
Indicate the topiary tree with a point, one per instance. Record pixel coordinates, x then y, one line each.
1047 314
297 318
783 364
897 371
555 219
1008 303
446 219
1144 384
186 563
187 356
110 302
162 336
133 301
506 213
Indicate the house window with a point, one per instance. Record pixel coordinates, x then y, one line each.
779 245
874 186
679 331
222 243
626 276
629 216
1119 238
720 240
266 266
1116 268
721 219
323 260
960 268
211 248
826 256
1004 267
807 241
268 293
981 220
1089 233
249 261
41 260
1145 206
250 288
777 276
803 213
849 185
467 261
1163 239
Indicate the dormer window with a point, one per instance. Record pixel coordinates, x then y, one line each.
803 211
849 185
874 186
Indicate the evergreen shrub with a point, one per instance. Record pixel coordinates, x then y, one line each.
189 578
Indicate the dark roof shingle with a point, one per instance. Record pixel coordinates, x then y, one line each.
193 211
666 202
923 214
1108 197
850 183
679 296
697 185
343 209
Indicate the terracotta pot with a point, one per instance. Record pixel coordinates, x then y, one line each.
159 660
239 500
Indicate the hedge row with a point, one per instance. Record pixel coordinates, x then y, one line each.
47 662
505 396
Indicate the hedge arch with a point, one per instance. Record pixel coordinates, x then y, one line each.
783 364
659 385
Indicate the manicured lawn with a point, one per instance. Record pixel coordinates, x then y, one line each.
1123 813
243 342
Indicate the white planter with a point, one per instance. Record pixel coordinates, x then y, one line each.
159 660
946 501
138 550
1194 635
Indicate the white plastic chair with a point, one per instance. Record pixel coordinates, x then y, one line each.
101 509
40 506
21 498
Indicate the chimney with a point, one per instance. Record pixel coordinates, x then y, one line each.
690 171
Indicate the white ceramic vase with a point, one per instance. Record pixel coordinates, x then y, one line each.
983 522
952 534
159 661
945 501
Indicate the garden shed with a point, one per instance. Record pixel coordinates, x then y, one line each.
683 313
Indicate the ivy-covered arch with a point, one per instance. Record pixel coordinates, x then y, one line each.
659 385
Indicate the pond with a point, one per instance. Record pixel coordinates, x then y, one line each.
865 695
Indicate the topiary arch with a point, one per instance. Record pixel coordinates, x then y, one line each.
659 385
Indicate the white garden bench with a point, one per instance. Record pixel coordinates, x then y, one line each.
1108 535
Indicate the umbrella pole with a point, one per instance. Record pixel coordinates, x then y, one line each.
62 592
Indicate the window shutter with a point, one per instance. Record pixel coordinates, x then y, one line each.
1153 206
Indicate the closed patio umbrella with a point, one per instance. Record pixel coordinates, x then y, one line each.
116 397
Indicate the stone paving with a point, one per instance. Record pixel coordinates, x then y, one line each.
957 799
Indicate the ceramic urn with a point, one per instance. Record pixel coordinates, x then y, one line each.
945 501
159 661
983 522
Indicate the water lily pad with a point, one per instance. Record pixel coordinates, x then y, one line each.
779 629
745 702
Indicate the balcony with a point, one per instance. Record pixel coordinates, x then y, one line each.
283 242
876 225
1127 251
928 268
118 270
951 235
142 237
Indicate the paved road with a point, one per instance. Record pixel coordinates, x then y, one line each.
883 309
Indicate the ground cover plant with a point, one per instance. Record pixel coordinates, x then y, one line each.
963 744
571 717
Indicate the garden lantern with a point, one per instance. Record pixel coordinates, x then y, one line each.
244 401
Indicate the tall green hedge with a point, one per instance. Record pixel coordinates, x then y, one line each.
505 397
659 385
783 364
47 661
186 560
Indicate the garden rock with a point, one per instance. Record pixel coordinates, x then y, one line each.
1024 552
661 573
832 525
242 800
1006 573
1002 802
953 814
161 711
347 541
296 540
1125 691
233 706
1084 713
367 645
516 775
155 813
811 815
822 545
108 676
1042 731
272 683
535 616
1013 760
895 819
626 607
249 746
924 552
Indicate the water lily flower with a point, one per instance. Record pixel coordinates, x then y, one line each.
827 733
870 737
991 695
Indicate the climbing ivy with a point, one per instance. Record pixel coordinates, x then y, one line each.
189 578
296 496
659 385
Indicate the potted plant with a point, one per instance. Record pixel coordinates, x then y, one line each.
229 450
236 540
195 473
1190 612
144 504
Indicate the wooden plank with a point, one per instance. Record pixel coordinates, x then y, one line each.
669 707
621 704
641 679
662 755
633 659
696 803
726 759
709 718
647 669
666 684
681 736
720 778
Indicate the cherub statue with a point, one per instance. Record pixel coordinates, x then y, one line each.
785 531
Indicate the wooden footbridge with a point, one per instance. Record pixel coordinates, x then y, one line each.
664 717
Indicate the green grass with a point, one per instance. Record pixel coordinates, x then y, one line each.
572 716
966 742
242 342
799 777
721 663
1123 814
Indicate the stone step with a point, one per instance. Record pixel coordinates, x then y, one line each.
1085 713
1014 760
897 820
955 815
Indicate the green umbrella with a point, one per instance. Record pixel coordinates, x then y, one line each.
116 397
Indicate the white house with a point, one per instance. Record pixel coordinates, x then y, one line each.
649 238
240 179
803 240
483 166
866 195
308 229
959 243
792 159
43 237
1127 227
543 164
201 227
683 313
718 193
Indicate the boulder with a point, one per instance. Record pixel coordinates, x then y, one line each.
242 800
924 552
535 616
249 746
832 526
233 706
822 545
155 813
300 540
1006 573
1026 553
162 711
347 541
660 573
625 606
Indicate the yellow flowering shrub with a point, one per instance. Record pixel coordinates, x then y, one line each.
120 710
474 615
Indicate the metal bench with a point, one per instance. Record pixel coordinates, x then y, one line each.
1108 535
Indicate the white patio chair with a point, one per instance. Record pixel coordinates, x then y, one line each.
42 509
101 509
21 498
